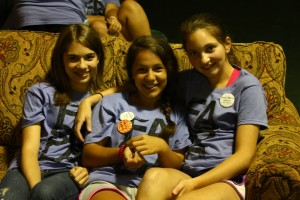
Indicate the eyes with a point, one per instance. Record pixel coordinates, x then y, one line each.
76 58
207 49
144 69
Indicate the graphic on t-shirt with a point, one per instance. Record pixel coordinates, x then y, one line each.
95 7
63 140
158 124
201 124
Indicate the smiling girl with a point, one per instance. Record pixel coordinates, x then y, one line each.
226 109
134 131
47 167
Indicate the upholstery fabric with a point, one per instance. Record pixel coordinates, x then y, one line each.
274 172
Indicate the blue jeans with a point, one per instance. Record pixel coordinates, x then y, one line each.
55 184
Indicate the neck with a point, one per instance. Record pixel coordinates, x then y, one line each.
139 101
223 78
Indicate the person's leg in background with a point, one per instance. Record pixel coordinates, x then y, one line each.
133 19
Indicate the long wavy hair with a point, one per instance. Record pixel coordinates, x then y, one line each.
164 51
57 76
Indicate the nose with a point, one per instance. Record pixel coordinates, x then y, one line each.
150 75
82 63
205 58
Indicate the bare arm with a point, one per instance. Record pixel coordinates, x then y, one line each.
29 156
97 154
111 14
84 113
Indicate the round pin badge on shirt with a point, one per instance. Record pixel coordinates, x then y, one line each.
127 116
227 100
124 126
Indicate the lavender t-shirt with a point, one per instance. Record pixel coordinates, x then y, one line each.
106 116
59 148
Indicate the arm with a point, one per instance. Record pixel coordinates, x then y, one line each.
97 154
234 165
29 155
84 113
93 18
111 14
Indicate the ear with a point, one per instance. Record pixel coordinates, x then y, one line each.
227 44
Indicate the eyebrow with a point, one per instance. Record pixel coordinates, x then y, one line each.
88 54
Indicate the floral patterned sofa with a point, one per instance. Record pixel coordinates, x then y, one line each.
274 173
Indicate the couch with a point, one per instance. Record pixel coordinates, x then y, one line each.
274 172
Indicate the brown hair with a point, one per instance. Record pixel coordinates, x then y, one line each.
213 24
164 51
57 76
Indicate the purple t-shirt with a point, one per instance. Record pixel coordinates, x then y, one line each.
106 116
59 148
214 114
42 12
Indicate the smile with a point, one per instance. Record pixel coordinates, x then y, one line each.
150 86
83 74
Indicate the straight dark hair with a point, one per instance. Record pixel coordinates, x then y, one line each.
57 76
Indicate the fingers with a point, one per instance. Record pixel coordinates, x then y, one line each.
88 124
114 26
77 130
132 143
145 144
127 154
80 175
176 190
132 159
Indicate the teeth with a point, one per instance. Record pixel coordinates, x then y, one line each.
150 86
82 74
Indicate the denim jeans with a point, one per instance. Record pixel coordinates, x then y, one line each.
55 184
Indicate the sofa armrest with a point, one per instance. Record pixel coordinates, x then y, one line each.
275 170
3 161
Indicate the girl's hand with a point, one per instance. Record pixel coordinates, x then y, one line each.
114 26
183 187
80 175
132 159
83 119
147 145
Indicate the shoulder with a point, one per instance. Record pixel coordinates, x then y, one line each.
249 78
114 99
43 87
116 96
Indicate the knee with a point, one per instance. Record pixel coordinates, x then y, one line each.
41 191
154 175
100 27
130 6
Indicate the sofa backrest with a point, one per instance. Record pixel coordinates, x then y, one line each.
25 59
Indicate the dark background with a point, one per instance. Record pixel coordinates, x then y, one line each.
248 21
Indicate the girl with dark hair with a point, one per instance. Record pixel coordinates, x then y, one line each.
134 131
47 166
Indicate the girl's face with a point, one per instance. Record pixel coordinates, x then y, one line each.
150 77
207 54
80 64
